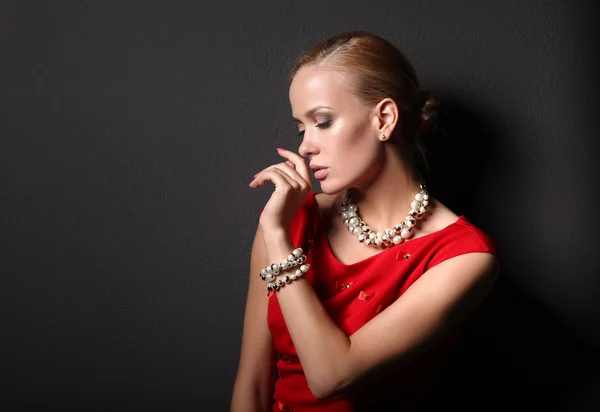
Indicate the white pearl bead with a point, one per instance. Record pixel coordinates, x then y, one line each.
366 229
378 241
422 209
425 202
298 272
361 238
351 214
397 240
413 212
353 221
372 236
344 215
419 196
352 207
357 231
425 197
410 222
285 265
269 277
415 204
304 268
385 237
293 276
297 252
406 234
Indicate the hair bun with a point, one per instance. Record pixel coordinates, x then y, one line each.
430 108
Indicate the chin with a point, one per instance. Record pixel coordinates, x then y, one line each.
330 187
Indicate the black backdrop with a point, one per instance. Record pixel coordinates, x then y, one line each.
129 133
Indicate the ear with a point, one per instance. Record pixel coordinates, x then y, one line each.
385 117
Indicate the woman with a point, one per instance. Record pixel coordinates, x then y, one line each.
361 288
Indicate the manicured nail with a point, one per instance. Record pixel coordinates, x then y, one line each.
279 149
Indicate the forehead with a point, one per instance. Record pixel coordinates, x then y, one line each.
312 86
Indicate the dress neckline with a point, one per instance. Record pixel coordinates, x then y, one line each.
329 251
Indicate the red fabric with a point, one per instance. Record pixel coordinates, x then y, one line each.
354 294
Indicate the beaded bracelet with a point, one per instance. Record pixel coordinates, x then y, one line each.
296 258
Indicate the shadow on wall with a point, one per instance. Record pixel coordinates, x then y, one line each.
458 150
517 354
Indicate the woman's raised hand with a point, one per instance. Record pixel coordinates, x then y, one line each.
292 184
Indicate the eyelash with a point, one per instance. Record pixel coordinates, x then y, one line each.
322 125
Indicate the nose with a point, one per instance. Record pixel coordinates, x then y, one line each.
308 147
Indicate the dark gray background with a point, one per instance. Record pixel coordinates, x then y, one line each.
129 133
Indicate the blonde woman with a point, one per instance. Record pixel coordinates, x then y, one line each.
358 292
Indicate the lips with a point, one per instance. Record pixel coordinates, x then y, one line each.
320 174
320 171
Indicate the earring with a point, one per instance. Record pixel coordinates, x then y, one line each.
382 137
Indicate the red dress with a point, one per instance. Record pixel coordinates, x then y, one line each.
354 294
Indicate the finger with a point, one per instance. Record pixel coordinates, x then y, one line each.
257 176
298 161
289 180
292 173
279 179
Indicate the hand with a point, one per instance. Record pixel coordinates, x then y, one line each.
292 184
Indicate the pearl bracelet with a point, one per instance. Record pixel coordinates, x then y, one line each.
296 258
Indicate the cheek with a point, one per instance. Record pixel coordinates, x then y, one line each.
353 156
357 146
343 134
356 153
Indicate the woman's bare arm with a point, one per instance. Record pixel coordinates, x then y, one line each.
253 388
334 363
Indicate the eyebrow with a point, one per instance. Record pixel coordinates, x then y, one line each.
313 110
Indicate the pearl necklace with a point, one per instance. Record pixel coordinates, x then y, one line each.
389 237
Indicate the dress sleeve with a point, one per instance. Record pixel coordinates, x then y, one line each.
468 239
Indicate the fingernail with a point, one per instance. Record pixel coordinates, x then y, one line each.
279 149
256 174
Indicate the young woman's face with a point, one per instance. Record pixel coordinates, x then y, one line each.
338 132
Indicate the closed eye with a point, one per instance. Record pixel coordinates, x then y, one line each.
322 125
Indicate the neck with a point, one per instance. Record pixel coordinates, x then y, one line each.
384 201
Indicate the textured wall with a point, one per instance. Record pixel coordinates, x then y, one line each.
129 132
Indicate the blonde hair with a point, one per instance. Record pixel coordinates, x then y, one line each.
378 70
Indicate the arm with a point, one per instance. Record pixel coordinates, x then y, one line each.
333 363
253 388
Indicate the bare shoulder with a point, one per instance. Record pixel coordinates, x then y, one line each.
438 217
